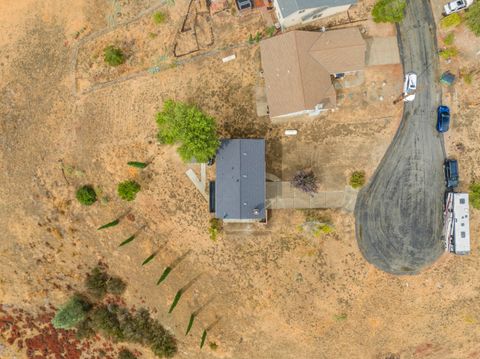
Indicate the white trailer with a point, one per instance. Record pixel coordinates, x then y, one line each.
457 223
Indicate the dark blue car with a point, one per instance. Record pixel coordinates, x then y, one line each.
443 119
451 173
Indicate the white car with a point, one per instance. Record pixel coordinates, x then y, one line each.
410 86
456 6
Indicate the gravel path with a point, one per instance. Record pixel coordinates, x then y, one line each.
399 213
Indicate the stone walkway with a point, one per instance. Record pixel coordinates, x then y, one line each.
281 195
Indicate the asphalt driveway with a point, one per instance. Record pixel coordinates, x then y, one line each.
399 213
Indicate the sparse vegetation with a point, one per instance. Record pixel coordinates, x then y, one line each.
270 31
467 77
474 195
449 39
216 226
389 10
127 190
254 39
86 195
452 20
99 283
448 53
186 125
306 181
113 56
472 17
113 321
159 17
72 313
213 345
323 229
340 317
357 179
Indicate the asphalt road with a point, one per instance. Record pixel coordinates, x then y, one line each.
399 213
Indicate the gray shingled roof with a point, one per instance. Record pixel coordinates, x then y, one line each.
288 7
240 182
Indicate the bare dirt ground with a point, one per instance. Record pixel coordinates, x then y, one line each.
275 291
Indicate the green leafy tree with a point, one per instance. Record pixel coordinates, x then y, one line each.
113 56
474 195
72 313
389 10
473 18
106 322
86 195
186 125
128 190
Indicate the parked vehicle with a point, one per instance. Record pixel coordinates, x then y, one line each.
456 6
451 173
410 86
443 118
244 4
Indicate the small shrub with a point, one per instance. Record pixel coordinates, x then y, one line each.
452 20
389 10
216 226
159 17
317 215
468 77
113 56
474 195
357 179
473 18
86 195
116 286
213 345
323 229
126 354
99 283
449 39
305 181
128 190
340 317
449 53
270 31
109 224
72 313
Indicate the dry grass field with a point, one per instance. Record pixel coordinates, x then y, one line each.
267 292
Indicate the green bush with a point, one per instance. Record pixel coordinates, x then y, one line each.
389 10
72 313
159 17
99 283
86 195
128 190
452 20
105 321
468 77
126 354
473 18
113 56
449 53
449 39
357 179
216 226
191 128
474 195
84 329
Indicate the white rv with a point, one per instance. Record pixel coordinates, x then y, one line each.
457 223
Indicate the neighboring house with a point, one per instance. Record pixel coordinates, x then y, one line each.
296 12
298 67
239 188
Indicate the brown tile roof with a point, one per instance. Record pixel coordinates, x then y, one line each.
297 66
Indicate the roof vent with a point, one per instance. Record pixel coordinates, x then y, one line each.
256 212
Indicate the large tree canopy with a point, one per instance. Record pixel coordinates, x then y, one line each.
189 127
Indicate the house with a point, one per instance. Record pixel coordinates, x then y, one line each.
298 67
296 12
238 193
